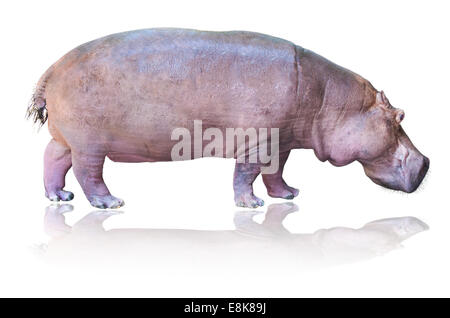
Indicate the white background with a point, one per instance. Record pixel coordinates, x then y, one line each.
402 47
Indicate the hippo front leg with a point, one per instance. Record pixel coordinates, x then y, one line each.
244 175
88 169
276 186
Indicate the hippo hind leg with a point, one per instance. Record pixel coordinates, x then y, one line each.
244 175
88 169
57 161
276 186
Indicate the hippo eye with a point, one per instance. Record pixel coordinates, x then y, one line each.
400 114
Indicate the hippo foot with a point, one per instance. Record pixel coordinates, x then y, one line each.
248 201
285 192
106 202
59 195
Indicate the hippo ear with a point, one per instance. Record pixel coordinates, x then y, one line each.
381 98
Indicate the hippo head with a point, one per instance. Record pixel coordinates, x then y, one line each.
375 138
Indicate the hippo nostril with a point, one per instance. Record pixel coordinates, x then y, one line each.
426 163
425 166
423 170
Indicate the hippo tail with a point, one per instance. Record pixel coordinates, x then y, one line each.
37 110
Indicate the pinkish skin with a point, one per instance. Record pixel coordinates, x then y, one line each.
121 96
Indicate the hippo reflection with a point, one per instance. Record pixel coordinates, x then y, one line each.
251 244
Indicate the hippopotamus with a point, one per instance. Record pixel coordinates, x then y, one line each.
124 95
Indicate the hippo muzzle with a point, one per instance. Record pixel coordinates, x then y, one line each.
404 170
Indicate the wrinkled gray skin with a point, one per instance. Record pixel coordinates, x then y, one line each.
121 97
